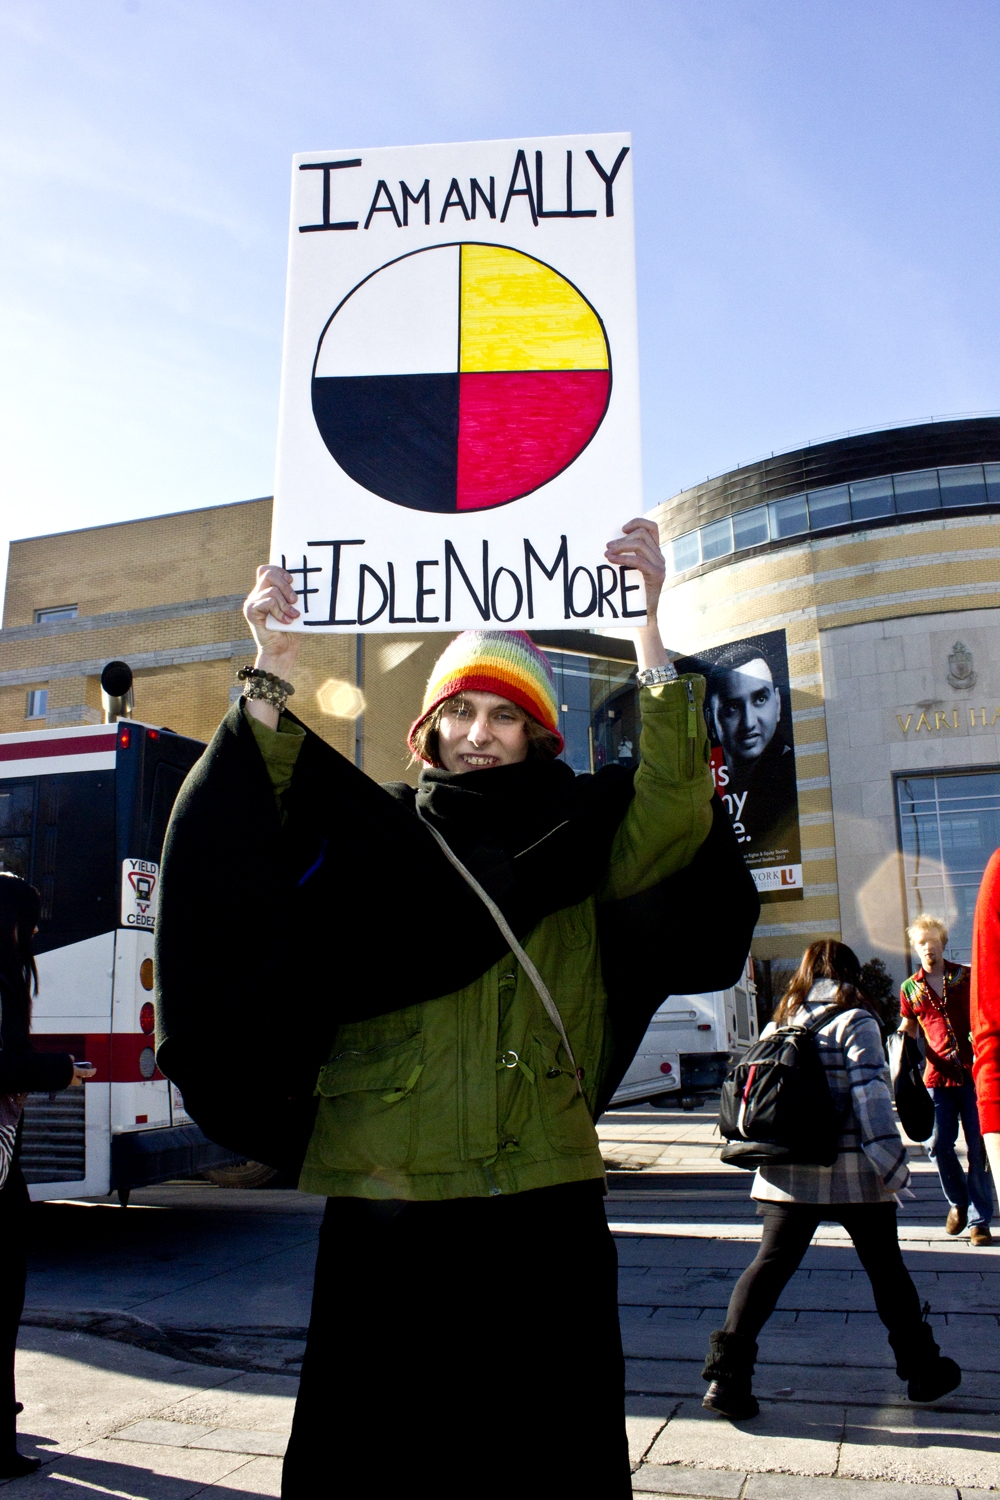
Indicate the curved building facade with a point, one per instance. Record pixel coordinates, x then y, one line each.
870 565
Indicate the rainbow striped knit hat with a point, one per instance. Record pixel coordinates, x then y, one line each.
506 662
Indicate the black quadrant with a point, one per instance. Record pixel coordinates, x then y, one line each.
397 435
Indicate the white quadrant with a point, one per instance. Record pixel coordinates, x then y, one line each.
401 321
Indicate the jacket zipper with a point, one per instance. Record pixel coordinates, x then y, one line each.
692 723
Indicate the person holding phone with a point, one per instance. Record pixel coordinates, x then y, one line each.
22 1071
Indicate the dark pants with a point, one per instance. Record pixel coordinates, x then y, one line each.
459 1348
13 1272
975 1192
788 1229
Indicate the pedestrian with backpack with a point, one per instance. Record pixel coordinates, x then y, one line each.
815 1117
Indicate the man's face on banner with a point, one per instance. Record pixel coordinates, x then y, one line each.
744 707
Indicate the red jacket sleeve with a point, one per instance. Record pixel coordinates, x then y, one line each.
985 1004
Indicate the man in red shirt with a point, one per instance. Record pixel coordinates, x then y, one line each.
937 999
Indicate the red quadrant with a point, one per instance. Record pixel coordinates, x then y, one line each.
519 428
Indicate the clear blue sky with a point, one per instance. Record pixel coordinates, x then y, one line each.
816 215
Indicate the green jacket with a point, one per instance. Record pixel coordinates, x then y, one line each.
471 1094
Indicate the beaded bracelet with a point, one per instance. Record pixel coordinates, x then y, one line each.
265 686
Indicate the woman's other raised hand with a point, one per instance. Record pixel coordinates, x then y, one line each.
640 549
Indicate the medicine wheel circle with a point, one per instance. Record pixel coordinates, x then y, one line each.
460 378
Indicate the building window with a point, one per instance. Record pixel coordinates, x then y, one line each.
38 703
949 825
839 505
789 517
717 539
598 710
57 612
750 527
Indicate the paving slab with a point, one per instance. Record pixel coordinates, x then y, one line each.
788 1487
672 1479
76 1387
154 1430
786 1439
657 1381
923 1446
238 1440
224 1439
642 1432
261 1476
148 1472
258 1402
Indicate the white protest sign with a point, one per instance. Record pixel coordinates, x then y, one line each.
459 425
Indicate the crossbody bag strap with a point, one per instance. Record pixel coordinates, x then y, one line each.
541 988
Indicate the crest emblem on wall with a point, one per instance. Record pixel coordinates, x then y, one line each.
960 668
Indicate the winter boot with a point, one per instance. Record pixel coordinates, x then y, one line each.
929 1374
729 1367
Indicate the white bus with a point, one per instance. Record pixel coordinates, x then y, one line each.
691 1043
83 812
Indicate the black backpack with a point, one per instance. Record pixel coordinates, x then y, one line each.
776 1107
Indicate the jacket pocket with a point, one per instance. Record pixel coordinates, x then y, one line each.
565 1116
368 1109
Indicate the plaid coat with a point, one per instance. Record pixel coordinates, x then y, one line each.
871 1166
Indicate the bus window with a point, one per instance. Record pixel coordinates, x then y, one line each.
17 807
167 782
74 857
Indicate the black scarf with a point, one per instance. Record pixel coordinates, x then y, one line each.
536 836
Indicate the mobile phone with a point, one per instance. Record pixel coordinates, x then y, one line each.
83 1063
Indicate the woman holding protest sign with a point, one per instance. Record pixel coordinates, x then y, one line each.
465 1304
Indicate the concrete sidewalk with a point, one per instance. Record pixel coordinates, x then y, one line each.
835 1421
202 1297
110 1419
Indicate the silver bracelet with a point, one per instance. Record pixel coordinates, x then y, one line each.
650 676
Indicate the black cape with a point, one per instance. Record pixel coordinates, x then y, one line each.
269 934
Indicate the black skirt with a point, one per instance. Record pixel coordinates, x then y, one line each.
467 1347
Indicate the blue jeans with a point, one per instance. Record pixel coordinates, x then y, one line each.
976 1194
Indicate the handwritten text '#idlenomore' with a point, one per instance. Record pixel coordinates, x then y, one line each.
353 592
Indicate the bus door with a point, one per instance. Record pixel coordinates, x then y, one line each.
152 765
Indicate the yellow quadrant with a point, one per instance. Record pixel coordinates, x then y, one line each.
519 315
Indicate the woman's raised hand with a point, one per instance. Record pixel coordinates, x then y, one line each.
639 548
273 596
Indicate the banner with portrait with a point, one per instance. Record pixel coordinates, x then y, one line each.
748 709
